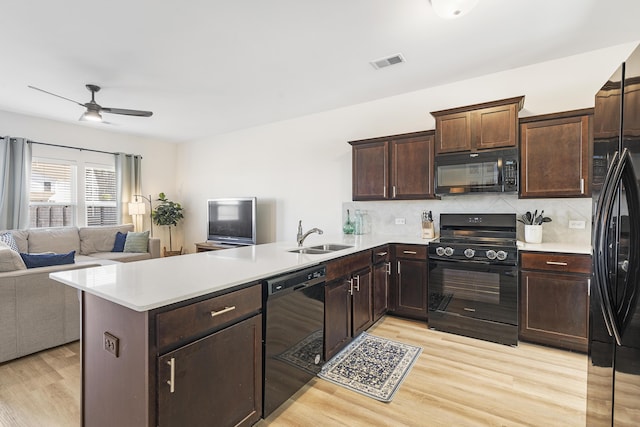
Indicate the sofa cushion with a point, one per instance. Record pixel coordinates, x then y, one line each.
10 260
137 242
60 240
7 238
120 256
118 246
45 260
100 238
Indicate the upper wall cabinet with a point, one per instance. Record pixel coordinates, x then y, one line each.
478 127
555 154
393 167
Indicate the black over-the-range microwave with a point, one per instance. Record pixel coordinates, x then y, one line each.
489 171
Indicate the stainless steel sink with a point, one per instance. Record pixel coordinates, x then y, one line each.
321 249
309 251
331 247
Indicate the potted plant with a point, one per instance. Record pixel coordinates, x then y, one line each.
167 213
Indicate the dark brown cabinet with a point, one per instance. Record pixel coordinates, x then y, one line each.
478 127
381 272
555 153
409 295
216 379
554 299
197 362
393 167
348 300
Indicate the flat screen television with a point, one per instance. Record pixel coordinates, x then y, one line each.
232 221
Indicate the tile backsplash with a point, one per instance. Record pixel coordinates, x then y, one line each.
383 214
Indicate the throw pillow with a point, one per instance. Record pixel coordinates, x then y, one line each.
118 246
7 238
10 260
45 260
137 242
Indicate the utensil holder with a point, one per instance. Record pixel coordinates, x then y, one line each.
533 233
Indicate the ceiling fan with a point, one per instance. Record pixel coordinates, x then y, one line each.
94 109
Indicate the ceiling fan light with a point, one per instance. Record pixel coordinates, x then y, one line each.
450 9
91 116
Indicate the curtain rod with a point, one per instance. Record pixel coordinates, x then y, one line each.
74 148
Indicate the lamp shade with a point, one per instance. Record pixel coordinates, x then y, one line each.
91 116
449 9
137 208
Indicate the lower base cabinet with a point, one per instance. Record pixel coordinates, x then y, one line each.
409 295
348 301
190 364
194 391
554 300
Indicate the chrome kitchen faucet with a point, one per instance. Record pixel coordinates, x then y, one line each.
300 237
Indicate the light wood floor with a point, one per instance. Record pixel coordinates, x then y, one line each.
457 381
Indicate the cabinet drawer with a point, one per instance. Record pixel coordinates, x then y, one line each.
411 251
199 318
380 254
569 263
346 265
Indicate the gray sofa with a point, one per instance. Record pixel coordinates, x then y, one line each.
37 312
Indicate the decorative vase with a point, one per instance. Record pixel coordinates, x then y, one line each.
533 233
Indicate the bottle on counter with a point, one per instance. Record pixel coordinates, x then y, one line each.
357 223
348 227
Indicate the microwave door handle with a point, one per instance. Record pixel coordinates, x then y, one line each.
605 206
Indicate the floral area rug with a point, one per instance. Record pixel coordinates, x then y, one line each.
372 366
304 355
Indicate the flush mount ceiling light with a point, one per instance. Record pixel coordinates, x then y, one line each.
449 9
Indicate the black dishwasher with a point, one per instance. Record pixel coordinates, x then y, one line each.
293 333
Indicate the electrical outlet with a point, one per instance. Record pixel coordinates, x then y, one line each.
400 221
577 224
111 344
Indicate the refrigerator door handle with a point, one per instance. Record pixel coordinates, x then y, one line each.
600 243
630 292
608 204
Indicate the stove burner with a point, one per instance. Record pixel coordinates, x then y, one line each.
488 238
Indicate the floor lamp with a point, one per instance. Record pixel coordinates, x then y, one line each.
137 208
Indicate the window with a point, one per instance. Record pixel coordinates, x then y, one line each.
52 199
100 195
77 190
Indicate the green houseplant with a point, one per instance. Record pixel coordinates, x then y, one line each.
167 213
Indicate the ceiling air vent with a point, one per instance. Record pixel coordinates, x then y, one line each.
388 61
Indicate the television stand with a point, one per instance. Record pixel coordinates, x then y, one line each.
210 246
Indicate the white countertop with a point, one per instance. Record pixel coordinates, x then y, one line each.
154 283
555 247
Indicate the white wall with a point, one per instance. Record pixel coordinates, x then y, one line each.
158 157
301 168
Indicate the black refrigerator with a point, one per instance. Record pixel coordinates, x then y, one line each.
613 382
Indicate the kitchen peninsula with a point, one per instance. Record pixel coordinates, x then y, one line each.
137 318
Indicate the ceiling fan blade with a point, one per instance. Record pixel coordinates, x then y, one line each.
138 113
42 90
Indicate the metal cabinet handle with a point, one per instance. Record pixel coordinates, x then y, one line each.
394 191
410 252
223 311
357 283
388 268
350 286
556 263
172 378
398 268
381 253
581 185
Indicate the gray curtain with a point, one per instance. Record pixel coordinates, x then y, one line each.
129 183
15 176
